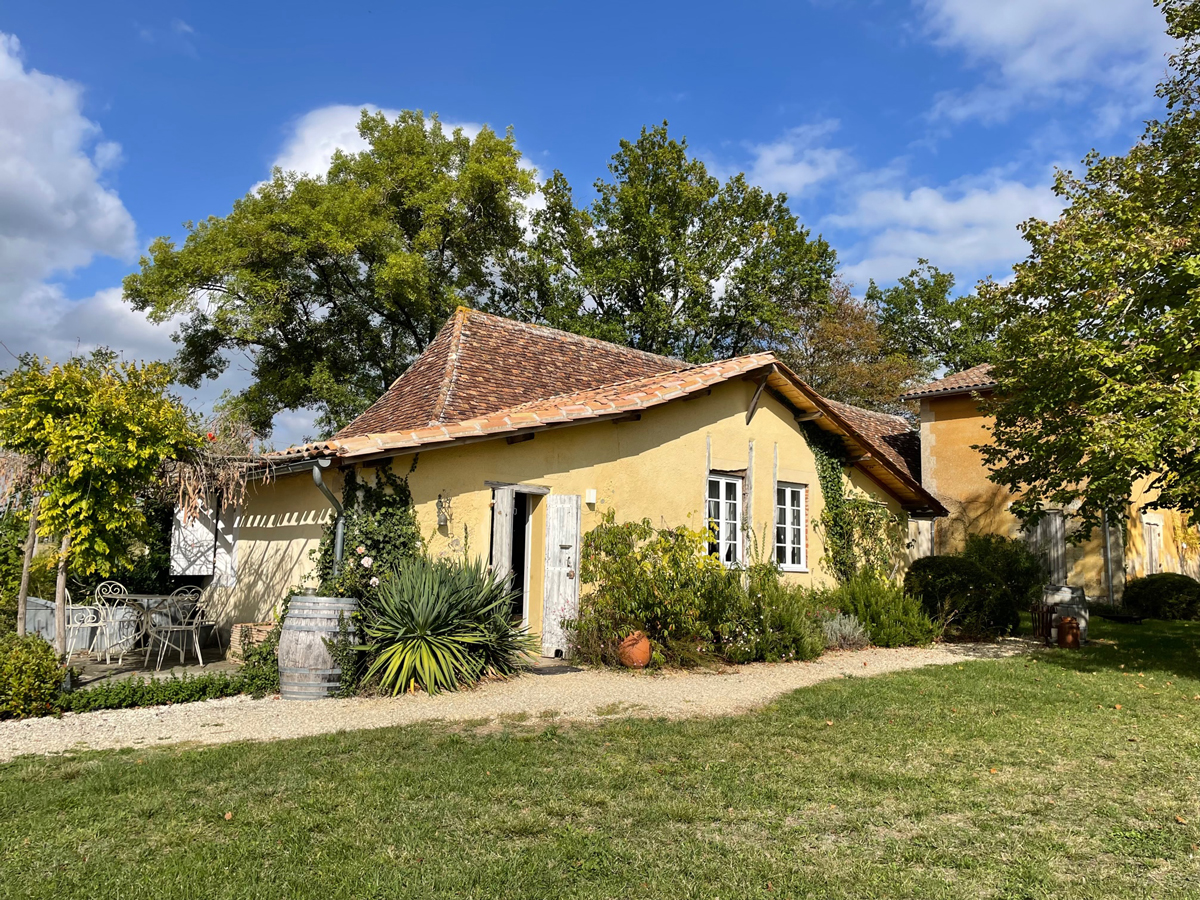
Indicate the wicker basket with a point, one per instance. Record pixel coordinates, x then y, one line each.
245 635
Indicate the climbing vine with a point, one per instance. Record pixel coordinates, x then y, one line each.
859 534
381 532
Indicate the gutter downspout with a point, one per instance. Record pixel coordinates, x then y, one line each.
339 523
1108 560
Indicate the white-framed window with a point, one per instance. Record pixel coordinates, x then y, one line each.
725 517
791 548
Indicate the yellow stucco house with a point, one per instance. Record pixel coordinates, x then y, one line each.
519 438
953 471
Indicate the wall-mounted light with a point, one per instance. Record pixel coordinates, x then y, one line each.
443 511
589 496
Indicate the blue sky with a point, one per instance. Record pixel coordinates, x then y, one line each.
898 129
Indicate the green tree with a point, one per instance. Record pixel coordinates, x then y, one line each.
1099 367
838 348
331 285
918 318
100 431
669 260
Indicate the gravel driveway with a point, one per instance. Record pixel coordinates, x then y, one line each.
570 694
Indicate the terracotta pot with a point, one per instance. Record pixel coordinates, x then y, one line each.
634 651
1068 633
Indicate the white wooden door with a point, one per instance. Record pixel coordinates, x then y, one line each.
1153 531
503 502
562 571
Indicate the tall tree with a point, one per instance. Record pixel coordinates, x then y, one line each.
1099 368
839 349
919 318
331 285
670 260
100 432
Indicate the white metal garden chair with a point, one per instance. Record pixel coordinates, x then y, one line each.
81 620
176 622
120 624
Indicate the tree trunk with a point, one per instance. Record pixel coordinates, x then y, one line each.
30 547
60 599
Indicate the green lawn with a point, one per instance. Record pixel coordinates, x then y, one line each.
1013 779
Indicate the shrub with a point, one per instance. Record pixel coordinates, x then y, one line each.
133 692
1164 596
768 622
893 616
30 677
440 624
961 594
1011 562
844 632
659 581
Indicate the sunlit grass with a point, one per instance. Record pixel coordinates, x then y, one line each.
1058 774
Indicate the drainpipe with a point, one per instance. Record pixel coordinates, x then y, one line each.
339 523
1108 560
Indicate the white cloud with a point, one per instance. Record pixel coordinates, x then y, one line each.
1043 50
56 214
797 160
968 226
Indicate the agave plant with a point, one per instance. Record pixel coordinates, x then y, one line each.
439 624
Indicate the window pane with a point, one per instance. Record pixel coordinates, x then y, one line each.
731 490
781 496
714 488
781 555
797 537
781 535
797 516
797 558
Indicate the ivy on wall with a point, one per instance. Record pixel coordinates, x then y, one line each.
381 532
860 535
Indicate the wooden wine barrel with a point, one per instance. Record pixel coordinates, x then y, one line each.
307 670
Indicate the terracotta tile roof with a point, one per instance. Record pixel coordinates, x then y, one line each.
617 399
480 363
891 448
978 378
890 436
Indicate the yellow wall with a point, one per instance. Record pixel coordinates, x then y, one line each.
653 468
955 473
279 526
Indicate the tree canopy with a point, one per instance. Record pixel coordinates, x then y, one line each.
99 432
919 320
332 284
1099 365
670 260
839 348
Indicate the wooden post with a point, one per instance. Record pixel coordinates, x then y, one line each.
60 599
30 547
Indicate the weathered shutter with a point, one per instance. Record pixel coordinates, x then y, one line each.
1056 546
504 501
193 543
561 600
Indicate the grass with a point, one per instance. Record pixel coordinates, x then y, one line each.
1057 774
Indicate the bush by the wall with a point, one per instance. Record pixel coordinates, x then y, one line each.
260 662
135 692
1164 596
1012 562
844 632
30 677
661 581
767 621
962 595
893 617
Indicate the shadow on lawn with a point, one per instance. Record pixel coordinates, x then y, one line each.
1169 648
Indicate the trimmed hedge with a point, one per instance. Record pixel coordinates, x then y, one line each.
1164 596
961 594
133 692
31 679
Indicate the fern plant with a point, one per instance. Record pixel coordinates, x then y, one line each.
441 624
